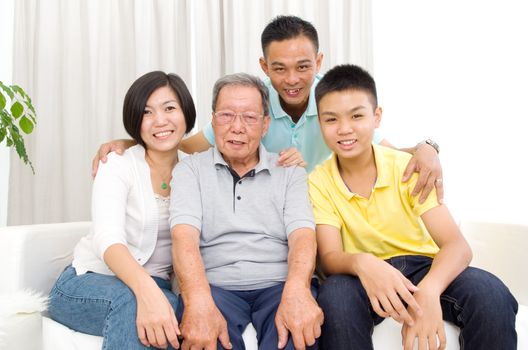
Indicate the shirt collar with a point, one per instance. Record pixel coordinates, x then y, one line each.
263 163
381 181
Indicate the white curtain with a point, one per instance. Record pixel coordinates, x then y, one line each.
76 59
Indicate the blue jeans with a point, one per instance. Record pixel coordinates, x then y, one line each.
256 306
100 305
476 301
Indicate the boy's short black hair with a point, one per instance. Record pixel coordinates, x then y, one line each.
140 91
288 27
347 77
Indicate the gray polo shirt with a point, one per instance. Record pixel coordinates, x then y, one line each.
244 222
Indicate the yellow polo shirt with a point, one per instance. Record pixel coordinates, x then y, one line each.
388 223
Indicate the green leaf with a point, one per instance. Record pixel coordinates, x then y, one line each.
21 150
7 90
6 118
18 89
21 108
17 109
31 116
2 101
26 125
31 108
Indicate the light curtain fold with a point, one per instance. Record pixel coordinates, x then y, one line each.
77 58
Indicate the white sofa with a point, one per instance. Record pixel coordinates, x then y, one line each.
32 257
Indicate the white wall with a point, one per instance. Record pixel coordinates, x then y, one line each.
6 48
457 72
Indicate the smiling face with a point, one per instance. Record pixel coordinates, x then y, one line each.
348 120
291 66
237 141
163 124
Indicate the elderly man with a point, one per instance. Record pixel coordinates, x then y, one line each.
243 233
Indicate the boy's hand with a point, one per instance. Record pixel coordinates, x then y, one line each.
117 146
426 163
386 287
291 156
429 327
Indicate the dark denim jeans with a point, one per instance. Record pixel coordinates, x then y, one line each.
256 306
100 305
476 301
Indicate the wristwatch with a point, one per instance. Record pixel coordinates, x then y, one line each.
433 144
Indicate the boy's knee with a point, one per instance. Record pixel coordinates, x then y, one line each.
490 295
340 292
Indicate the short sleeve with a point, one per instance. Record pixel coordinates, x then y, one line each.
323 207
430 202
186 203
297 209
209 133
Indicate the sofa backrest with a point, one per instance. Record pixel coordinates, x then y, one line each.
33 256
500 249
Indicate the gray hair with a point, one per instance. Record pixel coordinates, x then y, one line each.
242 79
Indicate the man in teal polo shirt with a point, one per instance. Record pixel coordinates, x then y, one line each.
291 60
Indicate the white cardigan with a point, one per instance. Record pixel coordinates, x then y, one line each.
124 211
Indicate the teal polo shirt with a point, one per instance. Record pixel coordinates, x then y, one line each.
305 135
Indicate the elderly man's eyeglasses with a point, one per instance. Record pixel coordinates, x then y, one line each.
227 117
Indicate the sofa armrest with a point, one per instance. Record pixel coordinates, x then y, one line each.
500 249
33 256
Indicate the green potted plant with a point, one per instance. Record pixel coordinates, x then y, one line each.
16 113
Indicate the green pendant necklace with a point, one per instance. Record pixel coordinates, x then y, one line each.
150 163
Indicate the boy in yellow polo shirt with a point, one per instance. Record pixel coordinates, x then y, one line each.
386 254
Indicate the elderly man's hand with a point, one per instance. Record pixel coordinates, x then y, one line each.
299 314
202 325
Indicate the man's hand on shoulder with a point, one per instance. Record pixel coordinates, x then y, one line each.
426 163
299 314
203 324
290 157
117 146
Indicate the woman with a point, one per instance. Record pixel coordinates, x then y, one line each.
118 284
